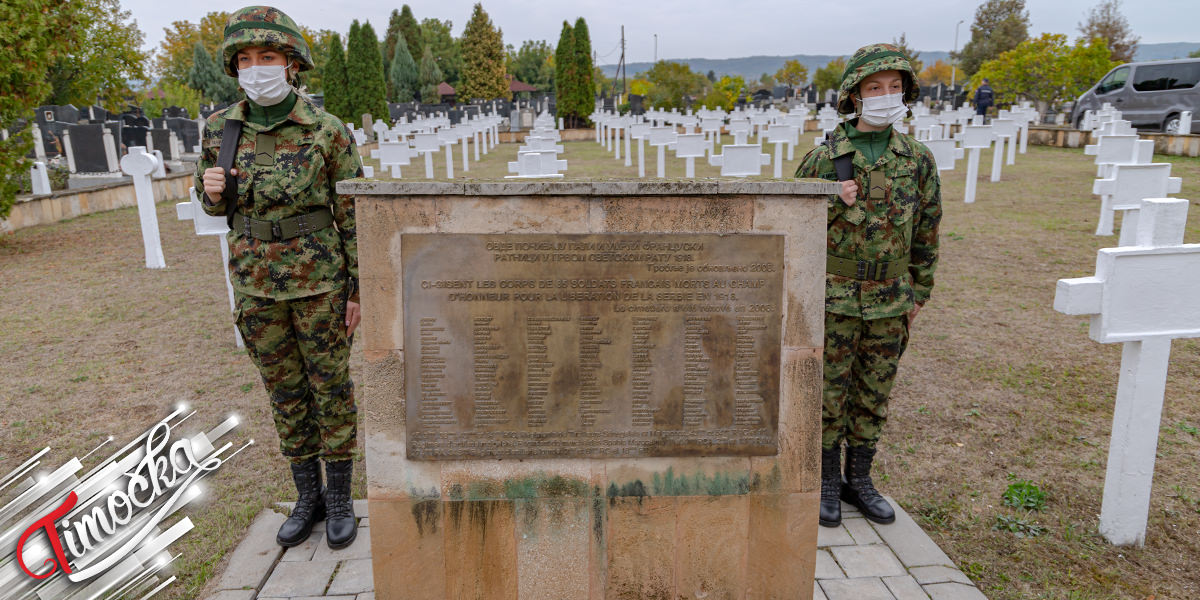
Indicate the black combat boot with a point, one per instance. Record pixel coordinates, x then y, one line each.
831 486
859 490
340 525
310 505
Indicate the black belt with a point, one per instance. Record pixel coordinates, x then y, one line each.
283 229
865 269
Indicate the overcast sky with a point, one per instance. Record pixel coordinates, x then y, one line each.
706 28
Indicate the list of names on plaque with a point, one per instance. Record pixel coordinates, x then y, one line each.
602 345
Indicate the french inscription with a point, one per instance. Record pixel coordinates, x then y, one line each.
592 345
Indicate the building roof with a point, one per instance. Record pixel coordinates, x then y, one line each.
444 89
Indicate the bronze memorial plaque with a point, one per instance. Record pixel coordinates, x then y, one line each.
591 345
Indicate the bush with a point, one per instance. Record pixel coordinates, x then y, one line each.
57 173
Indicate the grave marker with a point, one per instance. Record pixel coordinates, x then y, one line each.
740 160
536 165
661 138
140 165
427 144
1142 296
216 226
39 178
689 147
1126 189
974 138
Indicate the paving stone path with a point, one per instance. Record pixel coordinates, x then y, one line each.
859 560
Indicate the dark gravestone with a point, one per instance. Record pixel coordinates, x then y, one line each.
87 148
186 131
175 111
66 114
456 116
162 141
95 114
135 119
134 135
159 123
395 110
635 104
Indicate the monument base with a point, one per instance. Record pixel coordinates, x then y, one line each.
647 527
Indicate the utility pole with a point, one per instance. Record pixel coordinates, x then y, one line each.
953 59
620 67
656 47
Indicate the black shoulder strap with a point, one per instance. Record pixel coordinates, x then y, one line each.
843 165
229 143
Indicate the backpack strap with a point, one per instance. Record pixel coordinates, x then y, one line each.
229 143
844 164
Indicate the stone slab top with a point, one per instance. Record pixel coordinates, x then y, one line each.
668 187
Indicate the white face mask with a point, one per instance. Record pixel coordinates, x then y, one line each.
265 85
881 111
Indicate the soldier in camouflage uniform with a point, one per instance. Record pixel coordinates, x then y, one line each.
293 259
881 253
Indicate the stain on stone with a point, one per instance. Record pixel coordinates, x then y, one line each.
720 484
598 518
426 514
456 492
634 489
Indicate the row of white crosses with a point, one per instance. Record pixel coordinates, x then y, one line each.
538 157
426 136
1142 295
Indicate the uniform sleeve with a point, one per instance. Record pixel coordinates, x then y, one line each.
210 144
924 254
345 164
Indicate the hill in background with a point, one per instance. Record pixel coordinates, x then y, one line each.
751 67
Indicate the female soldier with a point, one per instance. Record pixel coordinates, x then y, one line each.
293 259
881 253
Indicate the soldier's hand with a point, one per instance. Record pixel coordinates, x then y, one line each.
214 182
353 316
912 314
848 195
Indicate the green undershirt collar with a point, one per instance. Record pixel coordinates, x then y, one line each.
270 116
870 143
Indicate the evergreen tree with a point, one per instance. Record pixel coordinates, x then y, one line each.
403 78
585 90
483 59
435 35
207 77
1000 25
364 73
389 48
336 90
412 32
564 80
429 78
353 86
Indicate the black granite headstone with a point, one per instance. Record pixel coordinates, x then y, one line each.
134 135
87 148
162 141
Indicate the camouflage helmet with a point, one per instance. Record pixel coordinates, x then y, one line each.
869 60
264 26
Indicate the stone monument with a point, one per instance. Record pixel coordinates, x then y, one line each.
592 389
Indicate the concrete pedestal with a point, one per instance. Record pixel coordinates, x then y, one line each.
715 527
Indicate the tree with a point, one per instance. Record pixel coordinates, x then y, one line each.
446 50
711 75
793 73
430 77
1194 54
319 42
938 72
336 93
829 77
724 93
412 32
671 83
389 47
585 88
207 77
914 57
1046 69
483 59
103 62
1000 25
1106 22
35 34
565 80
364 73
403 79
533 64
171 94
173 58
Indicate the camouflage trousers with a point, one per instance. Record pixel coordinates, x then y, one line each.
861 357
303 354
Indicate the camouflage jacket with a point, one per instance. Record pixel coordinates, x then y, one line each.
901 222
313 151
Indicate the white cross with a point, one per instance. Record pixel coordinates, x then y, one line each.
639 132
139 165
740 160
39 178
945 152
661 138
689 147
1143 296
1125 190
1112 150
974 138
427 144
393 155
781 135
1005 131
209 225
530 165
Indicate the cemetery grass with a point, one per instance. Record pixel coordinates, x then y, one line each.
996 386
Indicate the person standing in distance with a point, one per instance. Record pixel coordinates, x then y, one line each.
882 249
984 98
293 259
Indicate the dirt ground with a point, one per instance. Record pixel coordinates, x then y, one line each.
996 387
